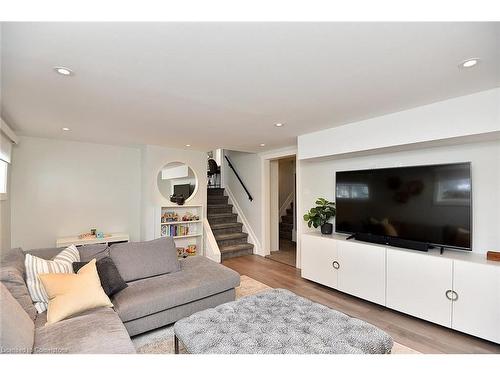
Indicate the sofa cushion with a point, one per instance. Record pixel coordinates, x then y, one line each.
198 278
13 258
12 275
41 319
16 327
35 266
111 280
139 260
96 251
46 253
97 331
70 293
87 252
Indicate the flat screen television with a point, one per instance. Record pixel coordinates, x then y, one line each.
183 189
430 204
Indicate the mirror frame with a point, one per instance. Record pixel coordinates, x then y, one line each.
195 191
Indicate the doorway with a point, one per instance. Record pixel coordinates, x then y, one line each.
283 210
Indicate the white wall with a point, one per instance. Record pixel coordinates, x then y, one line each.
249 167
459 117
318 180
5 217
4 204
448 131
62 188
153 159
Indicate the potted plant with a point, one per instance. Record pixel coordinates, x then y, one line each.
320 215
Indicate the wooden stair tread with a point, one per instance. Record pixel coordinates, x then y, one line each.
215 191
230 236
238 247
221 215
225 225
286 224
228 232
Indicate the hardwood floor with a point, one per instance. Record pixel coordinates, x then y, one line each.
287 253
415 333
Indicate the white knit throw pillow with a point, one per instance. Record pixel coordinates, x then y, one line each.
62 263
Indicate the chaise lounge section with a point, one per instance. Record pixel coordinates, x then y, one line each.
157 301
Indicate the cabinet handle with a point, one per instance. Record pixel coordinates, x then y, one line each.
451 295
447 294
336 265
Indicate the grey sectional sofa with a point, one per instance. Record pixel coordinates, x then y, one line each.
158 299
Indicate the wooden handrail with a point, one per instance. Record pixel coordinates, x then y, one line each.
239 178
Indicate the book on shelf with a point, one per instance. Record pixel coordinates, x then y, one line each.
177 230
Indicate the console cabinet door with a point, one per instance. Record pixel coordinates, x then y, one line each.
417 285
362 270
476 309
318 255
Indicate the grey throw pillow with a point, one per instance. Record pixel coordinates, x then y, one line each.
111 280
139 260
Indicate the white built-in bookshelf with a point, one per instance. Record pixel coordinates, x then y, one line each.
183 223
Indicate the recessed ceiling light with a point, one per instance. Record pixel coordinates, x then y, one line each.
65 129
469 63
278 125
262 144
62 70
188 145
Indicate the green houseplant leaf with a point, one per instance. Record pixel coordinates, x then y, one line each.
321 214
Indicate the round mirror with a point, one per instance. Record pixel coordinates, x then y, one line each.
177 182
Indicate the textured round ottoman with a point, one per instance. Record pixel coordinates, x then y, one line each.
278 322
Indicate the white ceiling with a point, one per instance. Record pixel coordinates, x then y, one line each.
226 84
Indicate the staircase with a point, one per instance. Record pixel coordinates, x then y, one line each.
232 241
286 225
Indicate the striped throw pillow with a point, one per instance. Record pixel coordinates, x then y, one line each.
62 263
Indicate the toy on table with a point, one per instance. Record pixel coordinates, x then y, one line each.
188 216
191 250
93 234
169 216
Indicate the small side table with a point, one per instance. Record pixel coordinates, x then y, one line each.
74 240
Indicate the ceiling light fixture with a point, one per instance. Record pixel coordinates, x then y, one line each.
65 129
469 63
188 145
262 144
62 70
278 125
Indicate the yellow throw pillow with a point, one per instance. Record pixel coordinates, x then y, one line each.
71 294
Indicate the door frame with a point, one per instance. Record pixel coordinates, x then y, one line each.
266 158
274 219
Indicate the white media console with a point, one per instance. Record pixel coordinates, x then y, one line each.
458 290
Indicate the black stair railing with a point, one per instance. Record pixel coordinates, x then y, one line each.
238 177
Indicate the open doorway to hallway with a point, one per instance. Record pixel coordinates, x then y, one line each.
283 211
